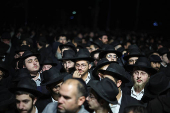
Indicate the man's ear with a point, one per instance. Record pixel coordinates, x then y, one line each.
119 82
89 66
81 100
35 100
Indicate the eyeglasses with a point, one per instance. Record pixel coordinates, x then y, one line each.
82 66
112 56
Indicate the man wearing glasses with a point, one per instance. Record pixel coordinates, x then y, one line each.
52 80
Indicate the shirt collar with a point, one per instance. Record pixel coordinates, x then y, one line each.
53 100
88 78
39 78
36 109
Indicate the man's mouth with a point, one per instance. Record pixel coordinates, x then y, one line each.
139 80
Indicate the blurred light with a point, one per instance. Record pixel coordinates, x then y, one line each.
71 17
74 12
155 24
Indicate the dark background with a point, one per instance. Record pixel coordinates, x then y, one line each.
112 14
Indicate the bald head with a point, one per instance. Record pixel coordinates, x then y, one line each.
79 85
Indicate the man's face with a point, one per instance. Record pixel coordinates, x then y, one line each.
82 67
92 48
132 60
140 78
156 65
24 43
102 68
24 103
96 57
32 64
46 67
105 39
68 64
111 57
92 100
1 75
68 102
62 39
165 58
55 87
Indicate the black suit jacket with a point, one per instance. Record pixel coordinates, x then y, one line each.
127 100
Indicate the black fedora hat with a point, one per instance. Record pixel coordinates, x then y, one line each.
157 84
27 85
4 68
68 55
94 52
97 42
51 76
21 74
6 97
133 53
109 49
83 54
22 48
154 58
28 54
68 44
142 62
117 71
106 89
48 61
132 47
101 63
163 51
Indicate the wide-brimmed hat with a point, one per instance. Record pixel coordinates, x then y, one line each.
27 85
117 71
4 68
94 52
106 89
142 62
157 84
6 97
48 61
68 55
132 53
97 43
28 54
22 74
22 48
163 51
51 76
109 49
101 63
69 44
83 54
154 58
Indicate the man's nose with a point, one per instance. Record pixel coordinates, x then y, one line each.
21 106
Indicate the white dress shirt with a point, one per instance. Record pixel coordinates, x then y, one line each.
88 78
53 100
135 95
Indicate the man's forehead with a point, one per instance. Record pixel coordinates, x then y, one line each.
31 57
111 53
133 58
23 96
81 61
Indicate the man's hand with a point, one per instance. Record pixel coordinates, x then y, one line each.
76 74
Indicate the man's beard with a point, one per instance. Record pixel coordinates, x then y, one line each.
140 87
28 111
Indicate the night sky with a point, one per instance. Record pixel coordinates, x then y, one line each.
123 13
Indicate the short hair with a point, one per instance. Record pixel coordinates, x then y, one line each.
61 35
27 93
135 109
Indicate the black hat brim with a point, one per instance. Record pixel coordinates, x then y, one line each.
93 85
74 48
94 72
32 91
43 83
135 55
7 102
103 53
116 74
34 54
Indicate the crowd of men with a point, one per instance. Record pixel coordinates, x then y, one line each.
92 72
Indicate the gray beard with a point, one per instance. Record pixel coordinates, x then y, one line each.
138 87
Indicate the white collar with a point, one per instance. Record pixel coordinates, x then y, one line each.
88 78
134 92
36 109
53 100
